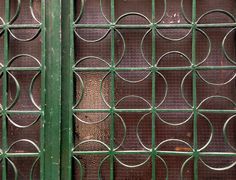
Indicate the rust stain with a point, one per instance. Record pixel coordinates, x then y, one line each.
183 149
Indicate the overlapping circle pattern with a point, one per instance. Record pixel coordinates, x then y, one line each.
188 59
191 66
227 56
14 64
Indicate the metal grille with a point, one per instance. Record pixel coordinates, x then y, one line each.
150 90
22 61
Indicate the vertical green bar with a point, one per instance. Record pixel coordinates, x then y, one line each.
4 90
53 89
195 144
112 90
153 91
42 121
67 88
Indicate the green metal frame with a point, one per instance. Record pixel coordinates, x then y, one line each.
57 68
53 89
70 67
6 109
49 111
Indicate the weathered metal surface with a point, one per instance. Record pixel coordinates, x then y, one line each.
154 99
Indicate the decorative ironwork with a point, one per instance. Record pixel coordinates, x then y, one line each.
22 78
158 74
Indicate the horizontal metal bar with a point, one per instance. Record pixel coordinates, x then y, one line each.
223 154
20 26
21 154
108 110
132 152
217 25
93 26
108 26
175 153
124 26
135 152
131 110
108 69
23 112
222 111
173 26
218 111
24 68
130 69
161 153
133 26
215 68
188 68
92 110
159 26
173 110
108 152
90 153
149 110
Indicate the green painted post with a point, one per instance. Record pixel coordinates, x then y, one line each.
53 89
4 91
154 81
67 88
194 77
112 94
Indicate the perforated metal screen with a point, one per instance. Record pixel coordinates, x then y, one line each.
28 110
153 89
117 89
21 78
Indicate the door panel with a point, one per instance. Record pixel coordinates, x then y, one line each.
151 92
147 90
22 78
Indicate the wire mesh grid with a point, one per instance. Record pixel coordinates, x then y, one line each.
154 89
22 78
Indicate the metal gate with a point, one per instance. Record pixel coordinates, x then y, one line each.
117 89
30 70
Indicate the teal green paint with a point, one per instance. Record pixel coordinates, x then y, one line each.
194 84
4 91
53 90
187 68
154 82
43 90
112 94
68 69
8 111
67 93
158 26
56 133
